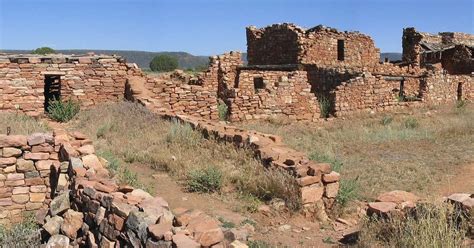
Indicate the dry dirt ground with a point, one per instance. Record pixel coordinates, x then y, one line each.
433 157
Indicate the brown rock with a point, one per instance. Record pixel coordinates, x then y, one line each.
12 140
86 150
397 196
72 223
78 135
44 164
37 197
331 190
20 199
331 177
183 241
25 165
308 180
7 161
36 139
11 152
324 168
91 161
36 156
20 190
15 176
158 230
381 208
311 194
66 151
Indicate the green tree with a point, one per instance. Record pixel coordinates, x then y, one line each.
43 50
164 63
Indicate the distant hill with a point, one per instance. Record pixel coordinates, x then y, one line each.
391 56
142 58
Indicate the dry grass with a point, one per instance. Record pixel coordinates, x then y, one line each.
428 226
21 124
134 135
404 151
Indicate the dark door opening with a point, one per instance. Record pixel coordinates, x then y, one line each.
459 92
340 50
401 94
52 89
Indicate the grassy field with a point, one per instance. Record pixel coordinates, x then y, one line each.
127 133
419 151
21 124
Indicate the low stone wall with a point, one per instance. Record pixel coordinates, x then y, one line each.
319 184
79 203
444 88
27 174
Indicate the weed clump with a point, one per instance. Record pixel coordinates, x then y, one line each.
223 111
23 234
348 191
426 226
386 120
324 106
411 123
205 180
63 111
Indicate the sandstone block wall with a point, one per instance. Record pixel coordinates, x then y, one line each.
281 93
28 173
373 93
444 88
179 92
89 79
290 44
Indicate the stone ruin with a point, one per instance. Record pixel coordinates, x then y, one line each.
290 70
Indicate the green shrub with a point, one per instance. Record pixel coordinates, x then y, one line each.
183 134
411 123
222 109
205 180
386 120
348 191
63 111
258 244
461 104
324 106
24 234
43 51
164 63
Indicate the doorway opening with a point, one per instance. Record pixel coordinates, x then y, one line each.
52 89
459 92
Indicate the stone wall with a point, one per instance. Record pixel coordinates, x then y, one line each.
290 44
260 94
179 92
444 88
421 48
373 93
89 79
26 176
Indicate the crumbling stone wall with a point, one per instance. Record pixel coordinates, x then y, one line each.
26 174
445 88
178 92
261 94
458 60
421 48
289 44
374 93
89 79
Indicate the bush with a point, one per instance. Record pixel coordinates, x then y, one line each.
426 226
63 111
24 234
43 51
324 106
222 109
205 180
411 123
386 120
164 63
348 191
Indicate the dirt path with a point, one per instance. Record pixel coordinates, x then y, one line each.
279 231
461 182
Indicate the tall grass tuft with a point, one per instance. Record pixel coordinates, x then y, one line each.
324 106
223 111
427 226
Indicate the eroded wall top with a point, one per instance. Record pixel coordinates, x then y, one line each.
290 44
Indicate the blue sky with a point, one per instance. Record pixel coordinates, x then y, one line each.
206 27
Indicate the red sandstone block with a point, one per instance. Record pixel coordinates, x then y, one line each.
36 156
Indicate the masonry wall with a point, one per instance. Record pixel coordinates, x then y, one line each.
89 79
372 93
282 94
28 175
289 44
458 60
443 88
